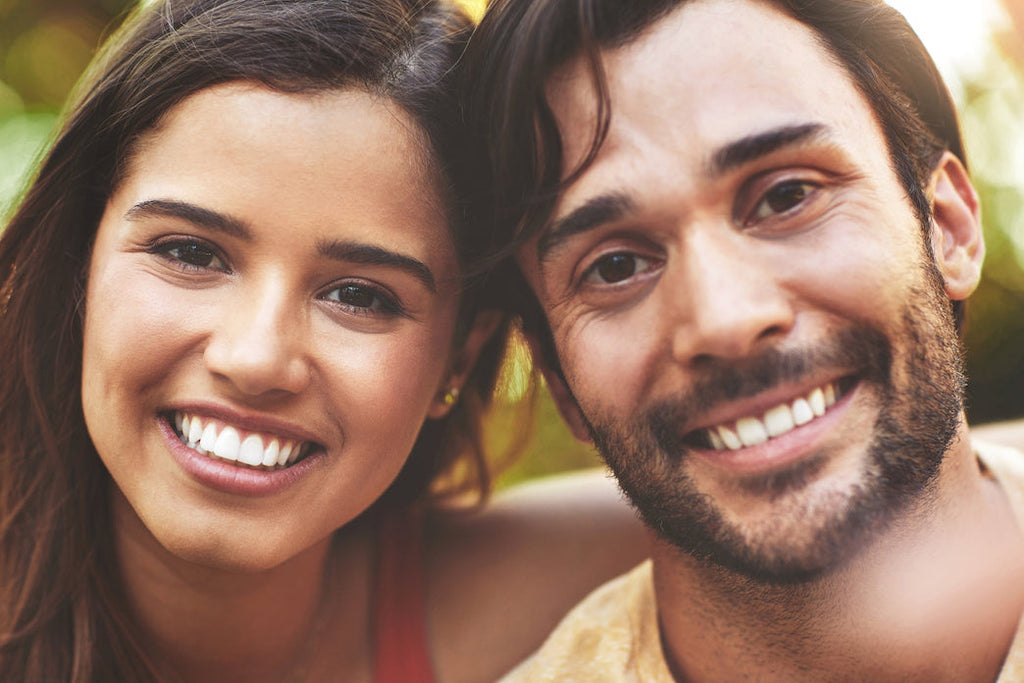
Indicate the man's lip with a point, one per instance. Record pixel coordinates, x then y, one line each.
781 451
756 406
252 422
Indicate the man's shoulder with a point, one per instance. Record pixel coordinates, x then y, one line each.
612 635
1005 463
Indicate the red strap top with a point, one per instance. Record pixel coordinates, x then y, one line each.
401 648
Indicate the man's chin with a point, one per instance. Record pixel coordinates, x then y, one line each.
793 527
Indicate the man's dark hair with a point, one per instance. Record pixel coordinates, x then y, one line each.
520 43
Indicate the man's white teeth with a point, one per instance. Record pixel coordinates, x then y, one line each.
751 431
779 420
783 418
802 413
225 442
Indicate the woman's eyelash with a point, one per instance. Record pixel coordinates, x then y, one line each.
363 298
189 254
192 255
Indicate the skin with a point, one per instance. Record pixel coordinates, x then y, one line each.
223 282
702 265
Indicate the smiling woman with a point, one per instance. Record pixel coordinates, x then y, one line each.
303 368
243 363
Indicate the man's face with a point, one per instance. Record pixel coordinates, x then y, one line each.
745 307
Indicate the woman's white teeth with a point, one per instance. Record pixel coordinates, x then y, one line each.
270 455
208 439
286 452
783 418
195 430
225 442
251 451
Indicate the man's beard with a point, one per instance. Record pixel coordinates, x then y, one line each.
917 375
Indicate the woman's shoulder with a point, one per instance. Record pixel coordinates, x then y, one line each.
500 579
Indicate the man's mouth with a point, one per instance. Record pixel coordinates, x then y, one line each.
781 419
221 441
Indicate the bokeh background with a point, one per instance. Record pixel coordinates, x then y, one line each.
979 46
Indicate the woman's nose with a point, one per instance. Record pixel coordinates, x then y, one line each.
258 343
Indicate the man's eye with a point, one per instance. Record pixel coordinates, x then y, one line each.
363 299
616 267
782 197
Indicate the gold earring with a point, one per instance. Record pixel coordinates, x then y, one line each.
451 396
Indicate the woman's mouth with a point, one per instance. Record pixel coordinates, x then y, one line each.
221 441
754 430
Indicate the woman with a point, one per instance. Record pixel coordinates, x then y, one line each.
240 352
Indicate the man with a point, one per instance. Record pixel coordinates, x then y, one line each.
750 229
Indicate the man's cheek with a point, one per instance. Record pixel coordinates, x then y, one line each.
604 366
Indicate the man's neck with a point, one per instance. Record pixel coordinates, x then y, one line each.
936 596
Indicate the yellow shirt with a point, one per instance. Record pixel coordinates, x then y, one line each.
612 635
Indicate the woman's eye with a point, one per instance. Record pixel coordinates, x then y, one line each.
191 255
363 299
783 197
616 267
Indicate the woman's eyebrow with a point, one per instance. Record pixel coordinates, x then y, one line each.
352 252
191 213
369 254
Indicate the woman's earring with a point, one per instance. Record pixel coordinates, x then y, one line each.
451 396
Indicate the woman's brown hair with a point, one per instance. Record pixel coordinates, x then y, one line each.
62 617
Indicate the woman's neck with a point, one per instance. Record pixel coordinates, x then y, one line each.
201 623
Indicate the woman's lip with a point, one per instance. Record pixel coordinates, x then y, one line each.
234 479
780 451
264 424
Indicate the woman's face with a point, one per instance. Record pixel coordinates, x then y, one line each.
269 317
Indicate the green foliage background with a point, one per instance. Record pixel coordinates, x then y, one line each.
45 45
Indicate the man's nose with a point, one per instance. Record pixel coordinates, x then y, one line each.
730 300
258 342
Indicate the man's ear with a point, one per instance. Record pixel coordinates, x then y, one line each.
564 400
957 241
463 361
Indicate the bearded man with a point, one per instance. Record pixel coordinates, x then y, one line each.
748 229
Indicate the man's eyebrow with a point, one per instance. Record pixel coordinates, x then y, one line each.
592 214
611 207
753 147
191 213
368 254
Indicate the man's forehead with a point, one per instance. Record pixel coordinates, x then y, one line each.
698 81
694 56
